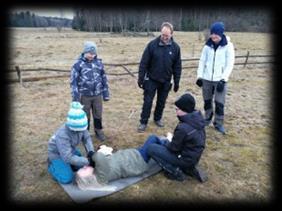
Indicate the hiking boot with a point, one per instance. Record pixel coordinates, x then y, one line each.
198 174
141 128
177 175
159 123
100 135
207 122
219 128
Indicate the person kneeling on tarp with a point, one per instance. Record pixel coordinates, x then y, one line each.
63 156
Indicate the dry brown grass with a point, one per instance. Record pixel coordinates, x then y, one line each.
238 164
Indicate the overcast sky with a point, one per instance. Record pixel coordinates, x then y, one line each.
64 12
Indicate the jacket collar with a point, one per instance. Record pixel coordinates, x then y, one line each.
222 42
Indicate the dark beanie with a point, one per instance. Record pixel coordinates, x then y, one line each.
186 103
217 28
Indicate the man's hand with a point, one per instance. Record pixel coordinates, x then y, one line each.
140 83
176 87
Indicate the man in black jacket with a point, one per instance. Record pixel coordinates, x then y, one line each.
183 153
160 62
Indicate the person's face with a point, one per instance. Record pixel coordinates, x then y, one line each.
90 56
165 35
215 38
179 112
85 171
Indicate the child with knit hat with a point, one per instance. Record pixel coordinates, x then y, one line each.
63 156
89 86
215 66
180 156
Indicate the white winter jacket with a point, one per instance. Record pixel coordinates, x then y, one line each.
216 65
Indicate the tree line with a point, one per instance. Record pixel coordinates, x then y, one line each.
149 19
27 19
183 19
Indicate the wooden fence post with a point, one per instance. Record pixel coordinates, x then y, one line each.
19 73
247 57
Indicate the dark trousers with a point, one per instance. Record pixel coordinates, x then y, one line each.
150 89
169 161
152 139
210 94
93 104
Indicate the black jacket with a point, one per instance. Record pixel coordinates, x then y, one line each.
160 62
189 137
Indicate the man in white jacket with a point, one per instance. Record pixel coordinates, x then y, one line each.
215 66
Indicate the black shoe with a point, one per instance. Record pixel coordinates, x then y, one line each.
198 174
219 128
177 175
100 135
159 123
141 128
207 122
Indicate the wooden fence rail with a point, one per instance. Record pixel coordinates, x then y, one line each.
246 61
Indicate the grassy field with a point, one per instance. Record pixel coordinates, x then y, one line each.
238 164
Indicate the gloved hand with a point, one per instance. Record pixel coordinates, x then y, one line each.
106 98
140 83
89 156
199 82
176 87
220 85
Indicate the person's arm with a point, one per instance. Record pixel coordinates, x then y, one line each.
106 93
65 151
87 141
202 62
73 82
177 69
230 59
144 65
177 140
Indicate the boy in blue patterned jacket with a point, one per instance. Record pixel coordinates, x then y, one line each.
89 86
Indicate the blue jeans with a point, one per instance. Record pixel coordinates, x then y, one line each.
166 159
61 171
152 139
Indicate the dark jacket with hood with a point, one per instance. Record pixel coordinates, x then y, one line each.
189 137
160 62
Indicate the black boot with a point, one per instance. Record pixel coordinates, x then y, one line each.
100 134
198 174
98 129
176 175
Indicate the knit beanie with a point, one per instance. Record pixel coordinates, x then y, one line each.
77 119
217 28
90 47
186 103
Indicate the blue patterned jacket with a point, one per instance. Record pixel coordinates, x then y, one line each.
88 78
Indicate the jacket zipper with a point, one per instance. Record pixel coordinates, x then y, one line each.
213 64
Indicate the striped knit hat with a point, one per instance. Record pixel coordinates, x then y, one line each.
77 119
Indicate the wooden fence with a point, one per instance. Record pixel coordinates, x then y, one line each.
192 63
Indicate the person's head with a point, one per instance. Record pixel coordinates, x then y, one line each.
166 32
76 118
185 104
86 179
217 30
90 50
